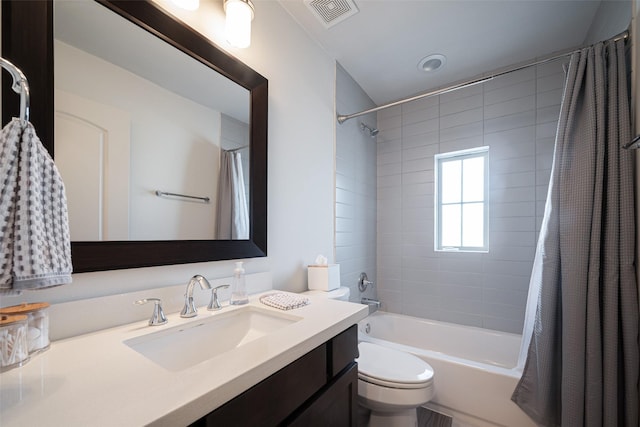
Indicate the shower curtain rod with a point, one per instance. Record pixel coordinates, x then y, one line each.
345 117
233 150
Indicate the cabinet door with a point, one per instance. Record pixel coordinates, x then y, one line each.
343 348
336 406
269 402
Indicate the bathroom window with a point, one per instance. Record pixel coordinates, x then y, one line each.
462 208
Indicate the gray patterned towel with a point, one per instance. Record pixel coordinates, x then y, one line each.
35 247
284 300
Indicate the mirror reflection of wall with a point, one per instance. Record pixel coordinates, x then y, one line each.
128 124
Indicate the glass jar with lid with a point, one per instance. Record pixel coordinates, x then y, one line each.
38 319
14 351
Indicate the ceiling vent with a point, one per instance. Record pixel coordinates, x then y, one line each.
331 12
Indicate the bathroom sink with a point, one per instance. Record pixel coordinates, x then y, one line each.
204 338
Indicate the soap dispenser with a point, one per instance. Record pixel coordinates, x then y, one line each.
238 287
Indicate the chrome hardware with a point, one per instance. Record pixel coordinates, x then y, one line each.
157 317
214 304
19 86
370 301
374 304
185 196
189 309
363 282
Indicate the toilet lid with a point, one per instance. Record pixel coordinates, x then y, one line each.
340 292
392 368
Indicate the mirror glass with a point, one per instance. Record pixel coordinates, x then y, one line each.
94 153
151 143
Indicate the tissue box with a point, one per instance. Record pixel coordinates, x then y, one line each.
324 277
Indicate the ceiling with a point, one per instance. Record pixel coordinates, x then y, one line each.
381 45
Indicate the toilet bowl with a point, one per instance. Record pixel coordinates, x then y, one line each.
392 384
342 293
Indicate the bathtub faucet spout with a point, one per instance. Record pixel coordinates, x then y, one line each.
371 301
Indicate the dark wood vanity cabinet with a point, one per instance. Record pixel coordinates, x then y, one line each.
318 389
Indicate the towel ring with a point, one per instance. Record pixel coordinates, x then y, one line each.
20 86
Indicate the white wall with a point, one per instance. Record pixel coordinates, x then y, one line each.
301 158
175 146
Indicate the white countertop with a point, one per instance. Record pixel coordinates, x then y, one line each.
97 380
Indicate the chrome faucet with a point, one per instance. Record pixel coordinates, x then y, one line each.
189 309
374 304
157 317
370 301
214 304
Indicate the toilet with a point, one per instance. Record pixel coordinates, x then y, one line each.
392 384
342 293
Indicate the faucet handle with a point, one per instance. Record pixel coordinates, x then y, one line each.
363 282
214 304
157 317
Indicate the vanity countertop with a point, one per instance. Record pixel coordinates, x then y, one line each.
97 380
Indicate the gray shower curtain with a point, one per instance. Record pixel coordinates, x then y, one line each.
583 358
232 218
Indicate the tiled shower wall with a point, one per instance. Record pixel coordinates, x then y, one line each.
516 116
355 215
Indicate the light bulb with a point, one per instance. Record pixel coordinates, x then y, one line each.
238 22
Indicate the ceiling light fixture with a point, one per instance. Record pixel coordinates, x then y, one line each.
187 4
238 22
432 63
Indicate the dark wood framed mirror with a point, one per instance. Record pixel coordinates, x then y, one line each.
27 41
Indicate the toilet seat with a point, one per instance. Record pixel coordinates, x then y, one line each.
390 384
392 368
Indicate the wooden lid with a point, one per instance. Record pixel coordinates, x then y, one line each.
8 320
24 308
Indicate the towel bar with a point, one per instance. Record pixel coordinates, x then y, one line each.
165 193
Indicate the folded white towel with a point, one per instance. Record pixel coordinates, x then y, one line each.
35 244
284 301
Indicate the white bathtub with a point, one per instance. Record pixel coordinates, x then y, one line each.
474 368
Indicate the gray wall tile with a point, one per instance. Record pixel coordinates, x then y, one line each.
516 116
461 104
518 105
356 189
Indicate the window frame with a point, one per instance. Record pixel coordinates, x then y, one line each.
461 155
